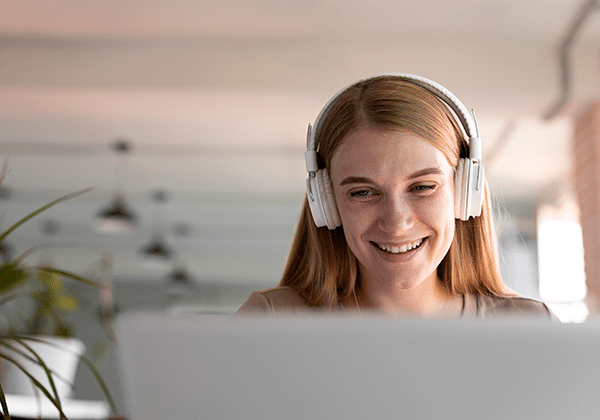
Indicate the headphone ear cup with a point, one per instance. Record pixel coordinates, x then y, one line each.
330 209
314 201
468 189
322 201
476 190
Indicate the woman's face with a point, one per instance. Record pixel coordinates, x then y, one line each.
395 195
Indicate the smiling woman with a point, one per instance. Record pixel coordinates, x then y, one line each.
397 218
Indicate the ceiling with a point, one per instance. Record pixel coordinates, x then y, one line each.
214 98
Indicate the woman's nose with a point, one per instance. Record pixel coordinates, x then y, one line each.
396 216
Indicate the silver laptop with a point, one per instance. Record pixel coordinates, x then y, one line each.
185 367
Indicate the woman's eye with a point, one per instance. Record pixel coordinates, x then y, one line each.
361 194
424 188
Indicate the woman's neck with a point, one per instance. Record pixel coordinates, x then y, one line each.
429 299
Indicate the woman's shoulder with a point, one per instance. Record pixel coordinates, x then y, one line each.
273 301
491 306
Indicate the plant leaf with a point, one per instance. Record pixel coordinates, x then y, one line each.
41 209
5 413
11 275
54 400
72 276
101 382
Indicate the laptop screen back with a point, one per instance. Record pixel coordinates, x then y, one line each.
221 367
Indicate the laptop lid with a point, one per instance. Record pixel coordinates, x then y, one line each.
181 366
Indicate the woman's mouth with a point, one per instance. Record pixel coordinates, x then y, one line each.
393 249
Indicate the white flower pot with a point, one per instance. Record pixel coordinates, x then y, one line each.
61 355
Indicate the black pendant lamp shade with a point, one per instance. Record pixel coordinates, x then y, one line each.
117 218
157 249
179 282
157 253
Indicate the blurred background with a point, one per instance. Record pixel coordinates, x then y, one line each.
188 117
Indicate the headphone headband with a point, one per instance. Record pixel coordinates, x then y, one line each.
468 124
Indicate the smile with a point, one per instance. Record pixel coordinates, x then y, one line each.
399 249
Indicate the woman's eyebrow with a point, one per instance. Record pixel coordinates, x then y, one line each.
426 171
364 180
355 180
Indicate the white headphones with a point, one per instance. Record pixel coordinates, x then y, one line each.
469 177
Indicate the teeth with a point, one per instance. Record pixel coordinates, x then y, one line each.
400 249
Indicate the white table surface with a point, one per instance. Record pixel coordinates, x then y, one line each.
32 407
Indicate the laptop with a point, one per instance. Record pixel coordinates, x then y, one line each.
184 367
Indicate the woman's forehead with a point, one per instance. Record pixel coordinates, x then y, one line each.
370 150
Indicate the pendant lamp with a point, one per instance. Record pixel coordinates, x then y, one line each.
117 218
179 281
157 253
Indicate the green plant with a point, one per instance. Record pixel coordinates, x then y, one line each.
41 299
36 293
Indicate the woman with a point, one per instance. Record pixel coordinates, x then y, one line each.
397 219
